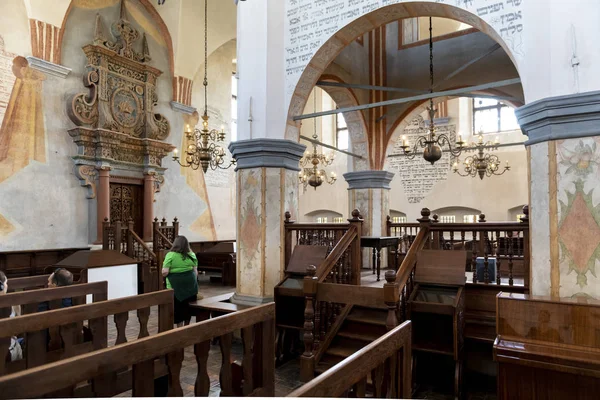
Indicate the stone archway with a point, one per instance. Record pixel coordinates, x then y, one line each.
333 46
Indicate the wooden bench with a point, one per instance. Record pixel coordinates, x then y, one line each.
28 283
64 326
219 258
386 363
32 262
29 300
258 337
547 349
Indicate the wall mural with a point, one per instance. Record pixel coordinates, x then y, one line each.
579 211
413 172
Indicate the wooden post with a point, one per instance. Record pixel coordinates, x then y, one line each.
425 223
391 297
526 248
436 234
307 360
163 222
287 238
105 231
175 228
356 266
118 236
130 251
482 244
155 239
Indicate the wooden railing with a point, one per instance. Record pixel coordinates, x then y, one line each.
343 261
328 304
257 327
164 235
387 361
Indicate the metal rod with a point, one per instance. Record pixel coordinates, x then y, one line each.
330 147
500 145
492 49
427 96
370 87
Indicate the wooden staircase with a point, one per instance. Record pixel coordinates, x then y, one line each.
361 327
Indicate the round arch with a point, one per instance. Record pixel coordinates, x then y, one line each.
331 48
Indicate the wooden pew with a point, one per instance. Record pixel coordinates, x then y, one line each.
258 336
64 326
547 349
386 362
27 283
30 299
32 262
220 258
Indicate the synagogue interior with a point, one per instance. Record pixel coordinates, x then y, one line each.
300 198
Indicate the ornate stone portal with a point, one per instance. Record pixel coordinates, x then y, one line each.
117 125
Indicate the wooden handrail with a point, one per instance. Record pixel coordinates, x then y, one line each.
354 369
411 257
56 376
480 226
48 294
143 244
337 252
164 238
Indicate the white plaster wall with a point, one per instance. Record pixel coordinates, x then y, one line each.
14 27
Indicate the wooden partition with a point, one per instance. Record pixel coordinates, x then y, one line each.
547 349
387 361
64 327
258 366
28 283
32 262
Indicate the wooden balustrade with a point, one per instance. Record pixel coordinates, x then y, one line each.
257 326
387 361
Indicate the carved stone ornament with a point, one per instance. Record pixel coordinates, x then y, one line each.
159 180
87 174
122 88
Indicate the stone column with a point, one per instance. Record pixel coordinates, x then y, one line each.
148 206
369 192
103 199
267 187
564 210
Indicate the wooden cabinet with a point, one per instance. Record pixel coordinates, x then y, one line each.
436 307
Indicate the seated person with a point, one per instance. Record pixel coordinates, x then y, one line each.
15 351
60 277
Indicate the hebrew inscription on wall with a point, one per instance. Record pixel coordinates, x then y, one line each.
7 78
310 23
418 177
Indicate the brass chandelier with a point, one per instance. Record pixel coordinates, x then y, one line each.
431 143
312 174
204 150
481 164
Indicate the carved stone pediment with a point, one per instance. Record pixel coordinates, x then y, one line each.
122 88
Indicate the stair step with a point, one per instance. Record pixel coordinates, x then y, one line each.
367 337
341 350
327 361
368 316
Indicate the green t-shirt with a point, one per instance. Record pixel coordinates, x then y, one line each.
175 263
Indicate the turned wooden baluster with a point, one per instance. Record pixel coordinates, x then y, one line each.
510 257
226 375
323 326
391 295
498 260
143 315
248 361
174 362
474 256
378 381
202 386
307 360
319 330
486 273
143 379
68 334
121 323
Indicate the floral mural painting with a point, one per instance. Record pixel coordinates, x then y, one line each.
580 215
250 228
581 160
578 192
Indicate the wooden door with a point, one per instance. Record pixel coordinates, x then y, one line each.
127 201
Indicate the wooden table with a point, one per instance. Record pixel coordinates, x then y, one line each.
378 243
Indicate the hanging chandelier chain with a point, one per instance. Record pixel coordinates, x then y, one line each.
315 120
431 57
205 57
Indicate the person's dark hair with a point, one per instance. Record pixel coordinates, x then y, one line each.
181 246
62 277
3 279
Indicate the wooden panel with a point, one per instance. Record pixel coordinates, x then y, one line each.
564 321
127 201
446 267
351 295
303 256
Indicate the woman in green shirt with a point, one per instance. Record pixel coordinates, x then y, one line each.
180 270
